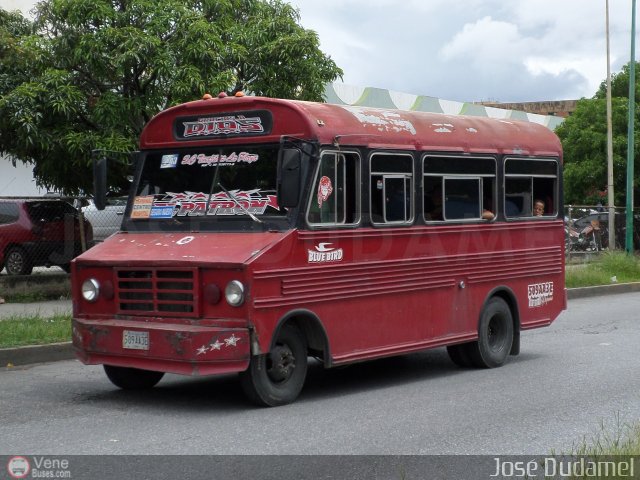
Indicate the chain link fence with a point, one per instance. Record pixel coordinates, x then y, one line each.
48 232
587 229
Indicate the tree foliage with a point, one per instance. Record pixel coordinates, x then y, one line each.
584 141
89 74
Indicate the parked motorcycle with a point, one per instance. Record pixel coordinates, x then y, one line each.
589 239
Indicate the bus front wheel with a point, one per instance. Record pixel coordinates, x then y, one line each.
495 335
277 377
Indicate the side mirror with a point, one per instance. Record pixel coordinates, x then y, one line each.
100 182
289 166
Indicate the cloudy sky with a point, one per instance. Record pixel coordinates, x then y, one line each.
468 50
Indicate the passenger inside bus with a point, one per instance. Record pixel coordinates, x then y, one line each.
487 214
538 208
433 210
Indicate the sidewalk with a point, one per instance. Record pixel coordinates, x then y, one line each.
42 309
63 351
35 353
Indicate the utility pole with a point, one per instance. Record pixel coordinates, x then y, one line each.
630 141
611 199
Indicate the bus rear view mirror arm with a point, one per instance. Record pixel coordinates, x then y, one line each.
100 182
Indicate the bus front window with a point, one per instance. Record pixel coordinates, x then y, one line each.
218 186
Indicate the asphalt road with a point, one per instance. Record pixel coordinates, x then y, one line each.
570 379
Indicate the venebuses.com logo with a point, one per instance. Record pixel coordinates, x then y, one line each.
18 467
38 467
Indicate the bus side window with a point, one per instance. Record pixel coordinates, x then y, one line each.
461 198
391 188
335 193
518 198
528 181
459 188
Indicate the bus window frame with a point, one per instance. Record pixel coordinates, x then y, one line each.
556 187
408 178
357 195
448 175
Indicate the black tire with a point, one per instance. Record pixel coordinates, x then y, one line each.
495 335
459 354
132 378
17 262
277 377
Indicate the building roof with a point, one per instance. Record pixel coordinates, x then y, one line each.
341 94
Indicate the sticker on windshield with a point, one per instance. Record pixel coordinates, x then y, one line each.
161 212
193 204
219 159
325 189
169 161
142 206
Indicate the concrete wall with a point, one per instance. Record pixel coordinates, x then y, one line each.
17 181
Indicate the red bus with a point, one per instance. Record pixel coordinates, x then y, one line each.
260 232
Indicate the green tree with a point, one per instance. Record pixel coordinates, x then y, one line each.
89 74
584 141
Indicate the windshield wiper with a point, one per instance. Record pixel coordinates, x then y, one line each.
237 202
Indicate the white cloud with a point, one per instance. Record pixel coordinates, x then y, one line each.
486 43
481 49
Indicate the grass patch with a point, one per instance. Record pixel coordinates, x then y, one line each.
20 330
617 443
625 268
35 296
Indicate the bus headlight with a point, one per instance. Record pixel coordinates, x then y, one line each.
234 293
90 290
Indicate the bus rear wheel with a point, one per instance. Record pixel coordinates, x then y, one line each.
277 377
495 335
132 378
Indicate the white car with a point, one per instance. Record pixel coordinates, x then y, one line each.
108 221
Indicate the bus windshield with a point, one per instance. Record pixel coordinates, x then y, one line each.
224 184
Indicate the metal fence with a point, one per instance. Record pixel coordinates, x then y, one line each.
48 232
587 229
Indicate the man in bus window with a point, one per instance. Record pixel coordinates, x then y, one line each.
538 208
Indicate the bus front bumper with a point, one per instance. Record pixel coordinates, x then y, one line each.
171 348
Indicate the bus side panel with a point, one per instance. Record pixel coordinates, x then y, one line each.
379 292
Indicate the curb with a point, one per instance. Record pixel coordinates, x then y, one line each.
64 351
615 288
36 354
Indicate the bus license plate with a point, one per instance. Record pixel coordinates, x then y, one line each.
135 340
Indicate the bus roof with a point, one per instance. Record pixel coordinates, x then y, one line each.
247 119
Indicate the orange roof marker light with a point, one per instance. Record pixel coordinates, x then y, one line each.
207 96
239 94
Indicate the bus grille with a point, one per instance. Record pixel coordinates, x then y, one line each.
154 291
